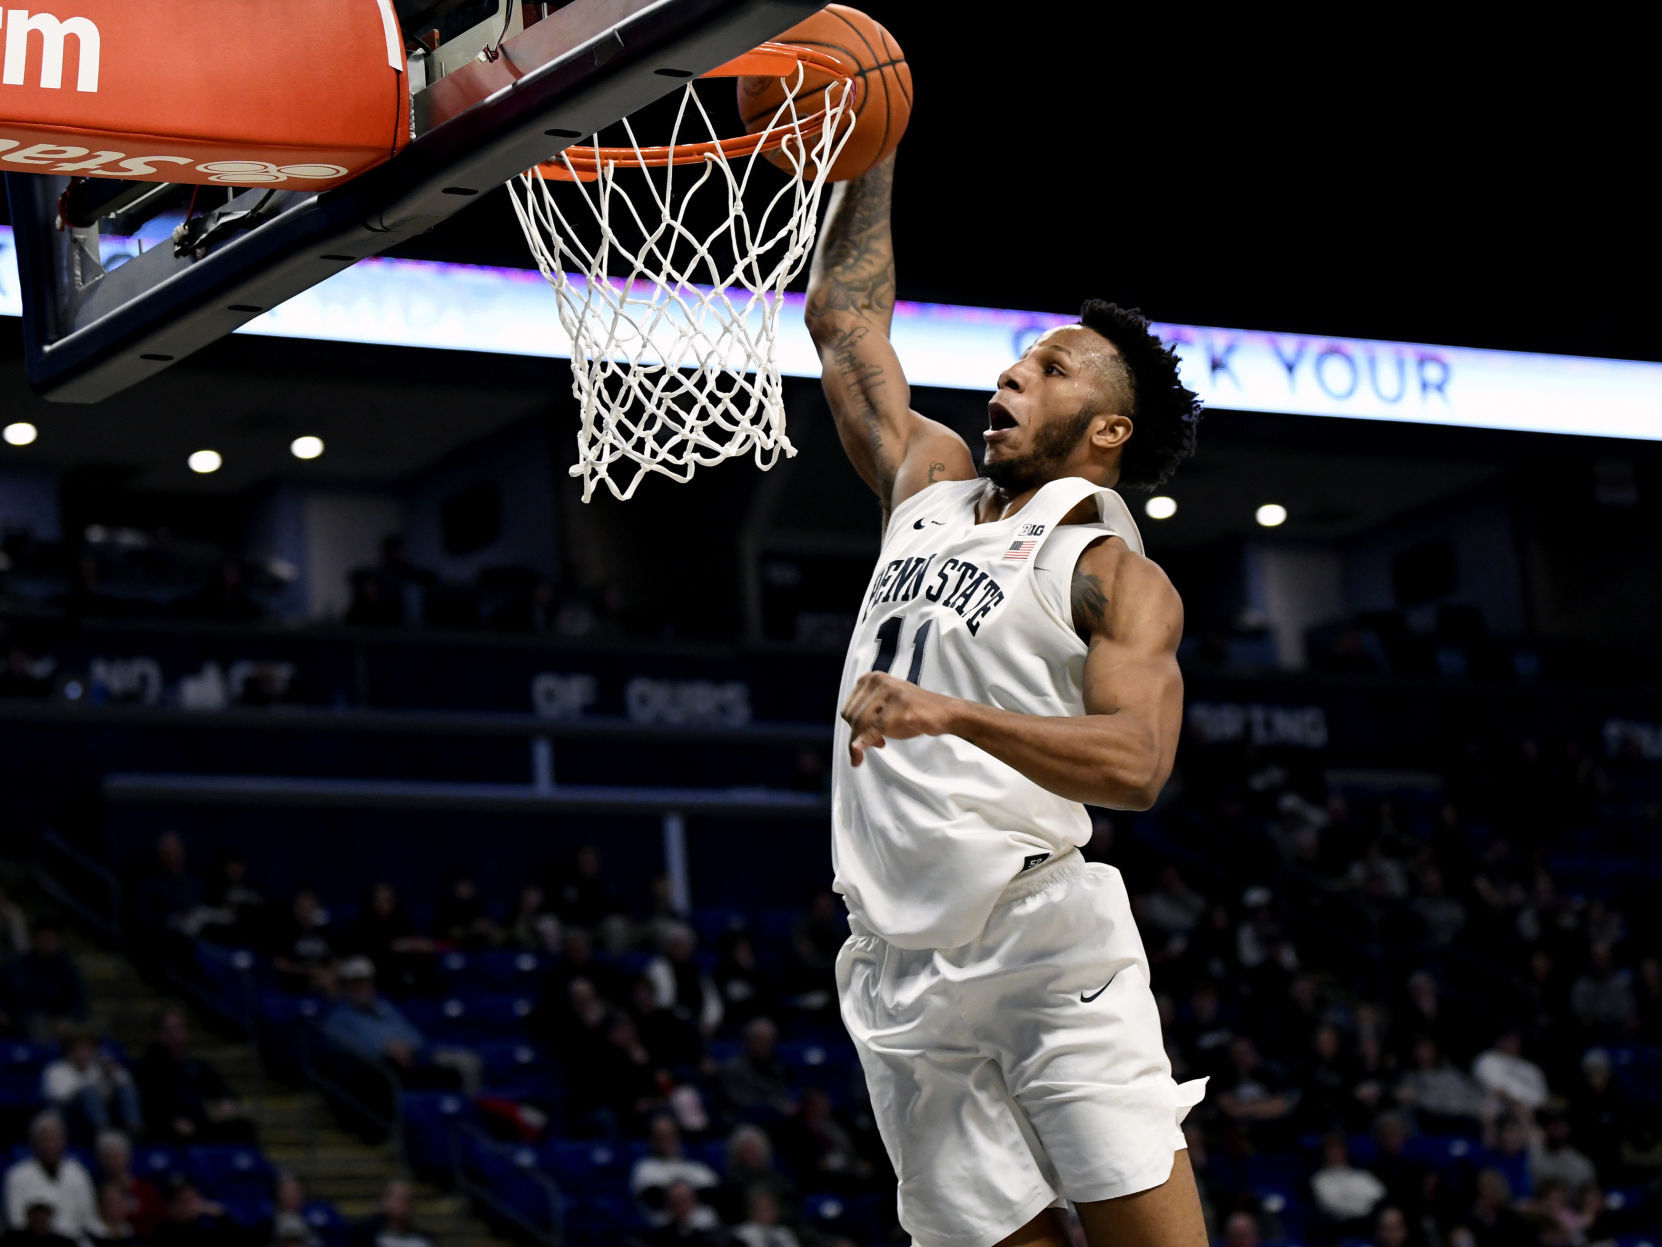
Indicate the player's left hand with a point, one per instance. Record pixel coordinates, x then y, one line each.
882 707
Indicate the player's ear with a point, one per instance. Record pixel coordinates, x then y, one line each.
1111 432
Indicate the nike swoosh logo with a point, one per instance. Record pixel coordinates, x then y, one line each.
921 523
1098 991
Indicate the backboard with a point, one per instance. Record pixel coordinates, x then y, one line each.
488 101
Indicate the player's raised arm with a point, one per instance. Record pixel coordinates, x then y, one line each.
851 294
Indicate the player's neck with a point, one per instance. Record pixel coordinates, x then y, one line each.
998 504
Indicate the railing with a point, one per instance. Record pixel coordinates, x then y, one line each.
62 867
325 1063
468 1144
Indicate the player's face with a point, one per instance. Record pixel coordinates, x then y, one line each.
1047 403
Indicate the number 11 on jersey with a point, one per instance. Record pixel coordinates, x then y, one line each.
888 641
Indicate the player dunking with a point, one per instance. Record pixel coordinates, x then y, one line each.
1015 657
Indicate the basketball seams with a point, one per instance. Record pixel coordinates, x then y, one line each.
888 104
871 52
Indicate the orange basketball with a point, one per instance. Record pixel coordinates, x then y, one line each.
882 100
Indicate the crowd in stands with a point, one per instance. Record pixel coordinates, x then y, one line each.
131 574
1430 1012
68 1175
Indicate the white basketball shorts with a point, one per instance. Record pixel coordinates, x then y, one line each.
1021 1070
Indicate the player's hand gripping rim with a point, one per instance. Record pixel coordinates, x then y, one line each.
882 707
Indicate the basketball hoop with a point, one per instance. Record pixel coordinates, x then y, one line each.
673 325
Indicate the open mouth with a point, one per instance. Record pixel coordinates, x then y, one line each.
998 419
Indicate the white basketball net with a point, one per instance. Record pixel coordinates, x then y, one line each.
673 331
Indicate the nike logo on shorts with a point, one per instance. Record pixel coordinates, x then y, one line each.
1087 999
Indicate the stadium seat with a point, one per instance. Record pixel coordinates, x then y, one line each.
428 1116
229 1172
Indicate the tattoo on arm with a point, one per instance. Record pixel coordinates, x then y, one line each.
1090 604
854 264
935 470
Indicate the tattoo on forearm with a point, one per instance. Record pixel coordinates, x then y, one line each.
854 267
1090 604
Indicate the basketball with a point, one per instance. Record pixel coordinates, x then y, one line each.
882 101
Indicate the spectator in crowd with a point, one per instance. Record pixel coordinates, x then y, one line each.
761 1226
461 919
1492 1221
1442 1098
1603 999
376 1031
631 1085
14 928
1255 1095
754 1082
225 597
533 925
1325 1102
747 991
370 606
193 1220
90 1088
169 899
578 960
1508 1151
819 1148
664 1164
395 1225
579 1028
142 1205
750 1168
1240 1229
303 950
663 918
385 934
816 939
36 1230
288 1215
48 1176
689 1224
682 985
1345 1194
236 910
1173 907
584 899
185 1100
1441 916
1598 1113
1554 1159
1402 1175
114 1225
674 1042
1505 1073
1390 1228
44 989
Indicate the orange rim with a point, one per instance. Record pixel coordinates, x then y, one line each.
770 60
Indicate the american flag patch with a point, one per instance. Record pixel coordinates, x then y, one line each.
1020 549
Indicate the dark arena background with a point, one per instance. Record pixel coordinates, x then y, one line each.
368 704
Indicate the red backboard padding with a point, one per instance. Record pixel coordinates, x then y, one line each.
300 94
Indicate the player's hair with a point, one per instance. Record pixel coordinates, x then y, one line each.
1165 416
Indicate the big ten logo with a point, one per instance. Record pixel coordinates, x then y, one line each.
126 679
18 25
709 702
1303 727
556 696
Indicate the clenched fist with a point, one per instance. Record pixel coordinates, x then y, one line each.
881 707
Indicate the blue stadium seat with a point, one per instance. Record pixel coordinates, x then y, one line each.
592 1168
497 969
428 1116
157 1163
229 1172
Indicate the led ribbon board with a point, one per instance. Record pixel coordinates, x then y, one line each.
509 311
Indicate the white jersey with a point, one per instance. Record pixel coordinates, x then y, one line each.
927 831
